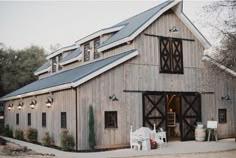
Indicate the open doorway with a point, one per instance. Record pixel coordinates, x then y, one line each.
173 117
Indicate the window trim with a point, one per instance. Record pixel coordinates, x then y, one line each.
17 118
116 119
28 119
63 124
96 54
44 121
85 51
223 112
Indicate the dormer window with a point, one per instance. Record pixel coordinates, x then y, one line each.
59 60
86 52
54 64
96 45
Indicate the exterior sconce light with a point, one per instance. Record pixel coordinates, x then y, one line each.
226 97
33 103
113 98
174 29
10 106
20 105
49 102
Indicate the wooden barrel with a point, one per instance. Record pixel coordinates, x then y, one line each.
200 134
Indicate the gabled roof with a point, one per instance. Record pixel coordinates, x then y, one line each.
99 33
72 57
44 68
136 24
211 60
63 49
71 78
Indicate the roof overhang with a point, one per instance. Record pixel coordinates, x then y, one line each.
178 12
43 71
63 49
98 33
222 67
78 58
78 82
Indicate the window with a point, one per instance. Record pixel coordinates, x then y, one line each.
17 119
96 45
222 115
29 119
86 52
59 60
44 119
54 64
171 55
111 119
63 119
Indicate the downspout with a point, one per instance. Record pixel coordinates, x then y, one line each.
76 117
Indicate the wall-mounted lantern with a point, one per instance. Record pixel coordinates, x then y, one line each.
113 98
10 106
174 30
226 97
20 105
49 101
33 103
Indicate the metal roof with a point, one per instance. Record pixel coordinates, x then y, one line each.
68 76
134 23
43 67
72 55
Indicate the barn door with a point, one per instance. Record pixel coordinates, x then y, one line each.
154 110
191 114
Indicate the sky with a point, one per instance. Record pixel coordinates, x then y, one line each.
46 23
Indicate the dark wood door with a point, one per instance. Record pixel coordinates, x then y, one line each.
154 110
190 115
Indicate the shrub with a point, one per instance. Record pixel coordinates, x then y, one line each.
7 131
67 141
47 140
91 140
19 134
31 134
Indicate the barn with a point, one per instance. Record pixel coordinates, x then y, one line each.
137 73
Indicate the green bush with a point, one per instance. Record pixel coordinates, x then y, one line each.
67 141
19 134
31 134
7 131
47 140
92 141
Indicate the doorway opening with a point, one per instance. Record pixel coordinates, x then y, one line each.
173 117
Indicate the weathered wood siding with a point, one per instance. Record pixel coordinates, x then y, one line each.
221 84
64 101
142 73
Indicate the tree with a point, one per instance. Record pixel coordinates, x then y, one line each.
17 67
224 23
92 141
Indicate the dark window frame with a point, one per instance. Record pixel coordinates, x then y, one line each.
110 119
54 64
96 45
17 118
29 119
44 119
171 55
63 120
60 56
86 52
222 115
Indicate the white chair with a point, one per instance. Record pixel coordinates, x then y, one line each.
160 137
134 140
212 127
